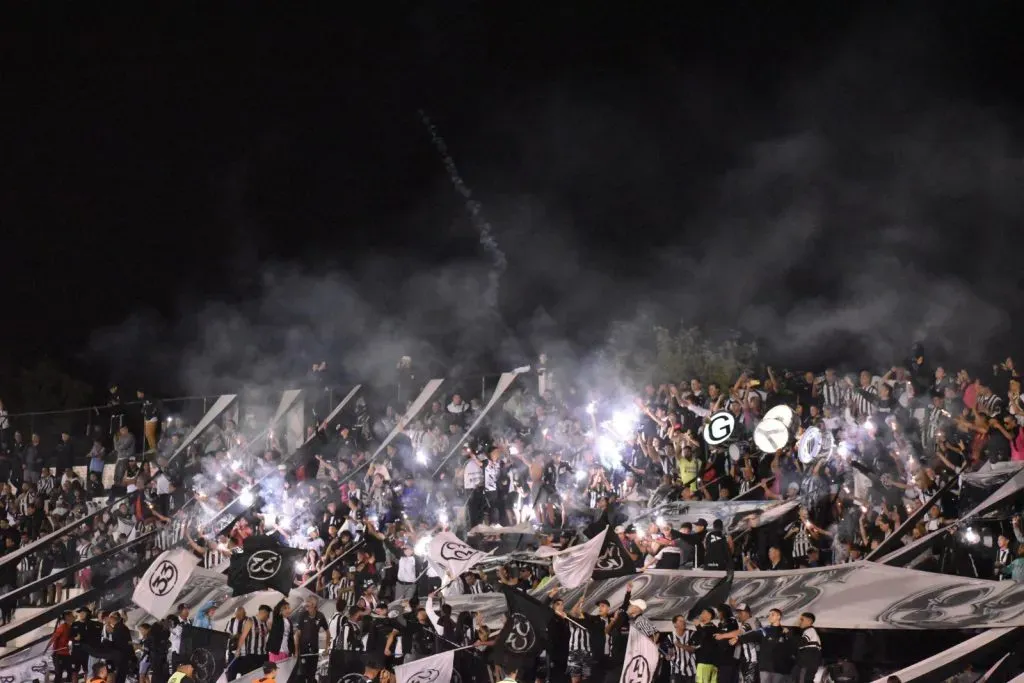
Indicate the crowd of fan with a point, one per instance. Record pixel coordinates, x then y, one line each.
546 463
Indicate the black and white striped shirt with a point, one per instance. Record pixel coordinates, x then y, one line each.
801 541
579 638
644 625
834 395
684 663
234 629
991 405
332 591
345 635
256 640
862 404
747 652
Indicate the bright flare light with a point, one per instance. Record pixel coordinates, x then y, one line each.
301 567
512 450
421 457
422 546
660 521
608 451
971 536
236 465
246 498
442 516
623 422
581 475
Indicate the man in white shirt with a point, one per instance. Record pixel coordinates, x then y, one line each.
405 588
473 482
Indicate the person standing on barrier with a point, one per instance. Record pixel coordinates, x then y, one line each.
150 410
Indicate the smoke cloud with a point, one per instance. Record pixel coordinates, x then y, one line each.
857 207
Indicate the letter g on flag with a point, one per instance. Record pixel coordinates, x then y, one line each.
719 428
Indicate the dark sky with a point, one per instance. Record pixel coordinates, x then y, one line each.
208 198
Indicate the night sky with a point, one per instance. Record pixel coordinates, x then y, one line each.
195 200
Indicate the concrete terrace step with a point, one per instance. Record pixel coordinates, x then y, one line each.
22 614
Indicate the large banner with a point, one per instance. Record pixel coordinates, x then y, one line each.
859 595
726 510
27 664
950 662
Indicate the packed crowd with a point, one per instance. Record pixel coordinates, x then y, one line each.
544 464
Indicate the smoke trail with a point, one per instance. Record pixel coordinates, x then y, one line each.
474 210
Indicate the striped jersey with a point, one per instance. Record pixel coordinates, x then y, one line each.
234 629
256 640
345 634
747 652
644 625
863 404
683 663
579 637
834 395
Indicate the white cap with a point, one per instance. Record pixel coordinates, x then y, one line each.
640 604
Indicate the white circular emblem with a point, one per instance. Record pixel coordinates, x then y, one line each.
456 551
719 428
163 579
637 670
610 559
521 636
425 676
263 565
204 665
771 435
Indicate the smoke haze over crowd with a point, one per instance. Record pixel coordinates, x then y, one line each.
837 190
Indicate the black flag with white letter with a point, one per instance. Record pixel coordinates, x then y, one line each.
525 632
263 565
613 561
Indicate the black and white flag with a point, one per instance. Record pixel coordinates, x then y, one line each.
641 659
434 669
263 565
525 632
613 560
158 589
575 566
453 555
206 649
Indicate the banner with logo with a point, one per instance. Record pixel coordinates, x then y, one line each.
263 565
641 659
525 632
613 560
858 595
206 649
435 669
454 556
27 665
574 566
158 590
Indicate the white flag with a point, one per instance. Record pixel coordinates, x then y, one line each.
641 659
433 669
454 556
575 566
159 587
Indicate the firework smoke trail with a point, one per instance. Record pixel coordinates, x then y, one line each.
474 209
